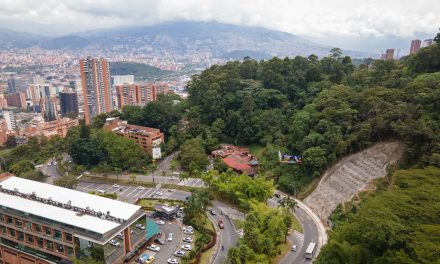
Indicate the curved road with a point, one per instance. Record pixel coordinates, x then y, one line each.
314 231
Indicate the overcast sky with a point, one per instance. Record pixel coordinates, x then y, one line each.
316 19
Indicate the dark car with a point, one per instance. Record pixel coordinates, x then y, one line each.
277 195
159 241
213 212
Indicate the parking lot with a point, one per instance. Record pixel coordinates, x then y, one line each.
131 193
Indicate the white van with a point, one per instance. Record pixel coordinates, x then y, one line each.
100 191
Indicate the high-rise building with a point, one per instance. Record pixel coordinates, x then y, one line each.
44 224
11 86
48 105
415 46
427 42
97 94
389 54
68 103
139 94
17 99
10 120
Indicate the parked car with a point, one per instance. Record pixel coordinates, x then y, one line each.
140 226
114 243
187 240
294 248
120 236
116 186
190 228
179 253
145 259
170 237
277 195
154 248
140 188
173 261
221 224
159 193
160 222
159 241
100 191
187 247
212 211
188 232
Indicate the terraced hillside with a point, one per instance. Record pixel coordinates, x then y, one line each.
353 173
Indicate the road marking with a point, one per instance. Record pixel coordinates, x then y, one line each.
136 193
128 195
85 188
148 193
128 188
99 188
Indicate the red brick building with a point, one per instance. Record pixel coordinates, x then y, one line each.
139 94
145 137
16 99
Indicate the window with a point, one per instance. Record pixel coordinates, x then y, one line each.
11 232
30 239
27 226
47 231
68 237
57 234
9 220
59 248
37 228
49 245
18 223
3 230
69 251
40 242
20 235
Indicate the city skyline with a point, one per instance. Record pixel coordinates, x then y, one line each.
327 22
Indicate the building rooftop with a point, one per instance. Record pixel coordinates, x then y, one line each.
116 209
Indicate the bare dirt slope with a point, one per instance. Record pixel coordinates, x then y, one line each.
350 175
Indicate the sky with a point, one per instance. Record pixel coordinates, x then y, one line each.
328 21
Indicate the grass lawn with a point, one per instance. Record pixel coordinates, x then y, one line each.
150 203
296 225
256 150
237 223
4 152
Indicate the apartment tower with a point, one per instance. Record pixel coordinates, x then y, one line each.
415 46
96 87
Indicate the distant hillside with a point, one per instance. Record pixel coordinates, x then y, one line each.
141 71
182 38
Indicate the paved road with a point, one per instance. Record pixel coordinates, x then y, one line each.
228 237
313 232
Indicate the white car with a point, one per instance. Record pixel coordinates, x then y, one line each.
116 186
114 243
140 188
187 247
294 248
120 236
154 248
159 193
140 226
187 240
173 261
190 228
160 222
188 231
180 253
170 237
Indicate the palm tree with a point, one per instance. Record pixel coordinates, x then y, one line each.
287 202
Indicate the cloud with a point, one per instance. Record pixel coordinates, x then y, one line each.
312 18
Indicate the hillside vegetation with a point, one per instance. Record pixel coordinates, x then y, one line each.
400 223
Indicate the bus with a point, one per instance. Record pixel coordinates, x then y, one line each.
310 251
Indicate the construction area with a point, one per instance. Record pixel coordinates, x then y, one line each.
350 175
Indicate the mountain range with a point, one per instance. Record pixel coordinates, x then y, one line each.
221 40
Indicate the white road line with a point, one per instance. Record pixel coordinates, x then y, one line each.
148 193
98 188
197 182
136 193
128 195
85 188
125 190
144 192
189 183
